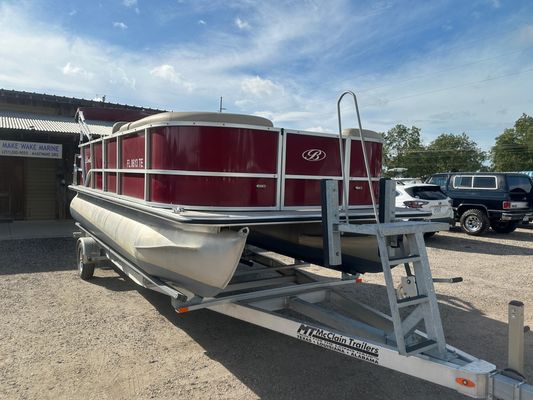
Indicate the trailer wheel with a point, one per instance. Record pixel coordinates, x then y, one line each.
85 270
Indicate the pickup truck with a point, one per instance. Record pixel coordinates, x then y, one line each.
497 200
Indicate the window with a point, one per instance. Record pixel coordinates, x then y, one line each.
438 180
426 193
519 183
462 181
485 182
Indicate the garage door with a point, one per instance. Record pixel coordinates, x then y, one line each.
11 188
40 184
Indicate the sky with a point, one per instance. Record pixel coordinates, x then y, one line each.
445 66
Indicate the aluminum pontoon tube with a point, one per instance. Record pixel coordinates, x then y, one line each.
201 259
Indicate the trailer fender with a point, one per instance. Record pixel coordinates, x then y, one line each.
90 251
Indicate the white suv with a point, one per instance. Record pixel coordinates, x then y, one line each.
426 197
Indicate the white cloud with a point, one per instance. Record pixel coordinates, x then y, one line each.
167 72
293 116
526 34
243 103
452 91
241 24
120 25
201 22
131 4
72 70
316 129
118 75
307 69
284 117
98 67
260 87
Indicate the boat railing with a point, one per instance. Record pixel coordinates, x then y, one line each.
84 131
344 155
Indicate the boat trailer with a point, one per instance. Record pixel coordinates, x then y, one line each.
294 298
289 296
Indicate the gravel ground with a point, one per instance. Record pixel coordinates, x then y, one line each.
65 338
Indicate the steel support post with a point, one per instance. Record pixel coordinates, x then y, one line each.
516 336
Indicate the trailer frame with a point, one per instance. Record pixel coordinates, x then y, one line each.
290 298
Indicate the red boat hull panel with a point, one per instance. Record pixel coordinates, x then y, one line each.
312 155
373 152
200 190
133 151
133 185
214 149
214 166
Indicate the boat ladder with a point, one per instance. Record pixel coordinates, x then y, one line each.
398 243
416 293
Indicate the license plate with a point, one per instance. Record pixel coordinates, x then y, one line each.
519 204
437 210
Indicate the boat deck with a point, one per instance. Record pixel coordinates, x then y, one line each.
238 217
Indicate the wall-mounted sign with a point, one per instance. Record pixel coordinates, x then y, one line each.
30 149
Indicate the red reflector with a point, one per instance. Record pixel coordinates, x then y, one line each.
506 205
415 203
465 382
182 310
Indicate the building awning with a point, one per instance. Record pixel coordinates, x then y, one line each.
49 123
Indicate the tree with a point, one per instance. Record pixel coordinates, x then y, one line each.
513 150
449 152
402 147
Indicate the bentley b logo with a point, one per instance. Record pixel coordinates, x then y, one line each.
314 155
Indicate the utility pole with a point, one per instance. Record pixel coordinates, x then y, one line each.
220 108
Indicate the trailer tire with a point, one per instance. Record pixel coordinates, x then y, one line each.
85 270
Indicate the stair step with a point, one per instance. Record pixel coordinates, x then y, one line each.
411 301
394 228
403 260
420 347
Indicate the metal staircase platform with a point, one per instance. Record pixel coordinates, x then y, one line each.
399 242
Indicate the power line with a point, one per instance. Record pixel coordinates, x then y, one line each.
463 45
438 72
458 86
410 151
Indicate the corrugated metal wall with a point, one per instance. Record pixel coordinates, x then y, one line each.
41 188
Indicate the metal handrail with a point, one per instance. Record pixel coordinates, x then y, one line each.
345 175
84 131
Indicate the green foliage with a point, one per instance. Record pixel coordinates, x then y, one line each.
402 148
449 152
513 150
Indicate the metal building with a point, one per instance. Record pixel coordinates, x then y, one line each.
38 142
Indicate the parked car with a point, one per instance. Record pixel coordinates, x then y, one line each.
425 197
482 200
